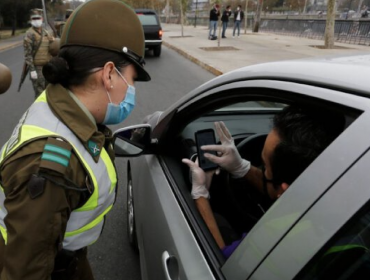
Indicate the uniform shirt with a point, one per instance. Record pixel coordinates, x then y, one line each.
30 44
36 227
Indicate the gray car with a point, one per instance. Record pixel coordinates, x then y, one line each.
310 232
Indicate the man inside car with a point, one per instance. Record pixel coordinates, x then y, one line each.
298 136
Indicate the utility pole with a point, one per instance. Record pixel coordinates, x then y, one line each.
44 12
196 12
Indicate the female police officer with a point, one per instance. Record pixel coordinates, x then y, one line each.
57 175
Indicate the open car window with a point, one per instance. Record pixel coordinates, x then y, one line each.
345 256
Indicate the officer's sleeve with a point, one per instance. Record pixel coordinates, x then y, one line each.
35 226
29 44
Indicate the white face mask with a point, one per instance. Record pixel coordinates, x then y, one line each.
36 23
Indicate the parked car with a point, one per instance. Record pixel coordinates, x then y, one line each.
152 30
297 238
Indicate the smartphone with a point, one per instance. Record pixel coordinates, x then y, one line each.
205 137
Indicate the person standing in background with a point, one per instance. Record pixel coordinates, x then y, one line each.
36 51
225 19
238 17
213 19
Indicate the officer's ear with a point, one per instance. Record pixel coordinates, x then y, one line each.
108 70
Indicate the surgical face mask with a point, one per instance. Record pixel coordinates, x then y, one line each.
117 113
36 23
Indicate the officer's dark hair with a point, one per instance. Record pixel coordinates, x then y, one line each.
304 133
74 64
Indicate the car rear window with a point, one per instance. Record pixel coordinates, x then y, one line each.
147 19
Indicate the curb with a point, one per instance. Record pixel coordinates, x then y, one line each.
10 46
209 68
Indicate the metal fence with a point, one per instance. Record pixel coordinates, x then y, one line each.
345 31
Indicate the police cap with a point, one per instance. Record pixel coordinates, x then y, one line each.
109 25
5 78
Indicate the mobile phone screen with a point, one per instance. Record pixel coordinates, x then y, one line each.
205 137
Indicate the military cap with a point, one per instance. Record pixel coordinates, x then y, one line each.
5 78
109 25
36 13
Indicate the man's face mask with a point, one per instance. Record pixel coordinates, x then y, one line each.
37 22
115 114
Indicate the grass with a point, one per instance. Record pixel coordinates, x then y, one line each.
5 34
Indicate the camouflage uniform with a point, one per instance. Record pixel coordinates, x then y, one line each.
30 44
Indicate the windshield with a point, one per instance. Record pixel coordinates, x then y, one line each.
148 19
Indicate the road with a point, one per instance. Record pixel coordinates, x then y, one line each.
172 77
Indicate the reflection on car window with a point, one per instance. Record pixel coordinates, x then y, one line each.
347 255
250 105
147 19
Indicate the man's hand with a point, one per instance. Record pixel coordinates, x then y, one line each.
199 180
33 75
229 157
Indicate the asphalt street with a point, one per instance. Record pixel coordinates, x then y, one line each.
172 77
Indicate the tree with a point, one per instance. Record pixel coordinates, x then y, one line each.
257 19
330 22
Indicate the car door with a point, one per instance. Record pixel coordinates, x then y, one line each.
168 225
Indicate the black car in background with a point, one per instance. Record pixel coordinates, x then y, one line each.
152 30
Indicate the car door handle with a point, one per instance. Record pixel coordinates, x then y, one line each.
170 266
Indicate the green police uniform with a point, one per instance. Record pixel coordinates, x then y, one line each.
58 179
37 229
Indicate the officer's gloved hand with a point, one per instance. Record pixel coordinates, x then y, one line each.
229 157
33 75
200 180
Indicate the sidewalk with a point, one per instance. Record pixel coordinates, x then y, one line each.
248 49
11 42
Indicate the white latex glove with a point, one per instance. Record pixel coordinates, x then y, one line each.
33 75
199 180
229 157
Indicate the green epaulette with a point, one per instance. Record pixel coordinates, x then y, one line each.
56 155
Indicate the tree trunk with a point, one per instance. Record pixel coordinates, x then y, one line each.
246 16
330 22
182 19
257 18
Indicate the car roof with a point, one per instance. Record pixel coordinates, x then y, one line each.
345 73
146 11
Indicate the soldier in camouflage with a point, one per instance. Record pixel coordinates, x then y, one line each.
36 50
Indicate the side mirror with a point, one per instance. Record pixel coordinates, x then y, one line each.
132 141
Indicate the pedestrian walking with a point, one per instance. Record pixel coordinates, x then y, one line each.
238 17
58 178
36 51
213 19
225 19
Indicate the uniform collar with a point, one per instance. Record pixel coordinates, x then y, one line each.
71 114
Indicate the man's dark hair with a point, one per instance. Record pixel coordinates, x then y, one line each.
304 133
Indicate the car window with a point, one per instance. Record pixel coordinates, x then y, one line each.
147 19
253 105
346 256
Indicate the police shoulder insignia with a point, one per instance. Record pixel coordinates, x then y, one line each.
94 148
56 155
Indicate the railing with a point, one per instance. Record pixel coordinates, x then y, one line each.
345 31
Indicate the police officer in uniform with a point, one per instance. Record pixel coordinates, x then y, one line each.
36 50
58 180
